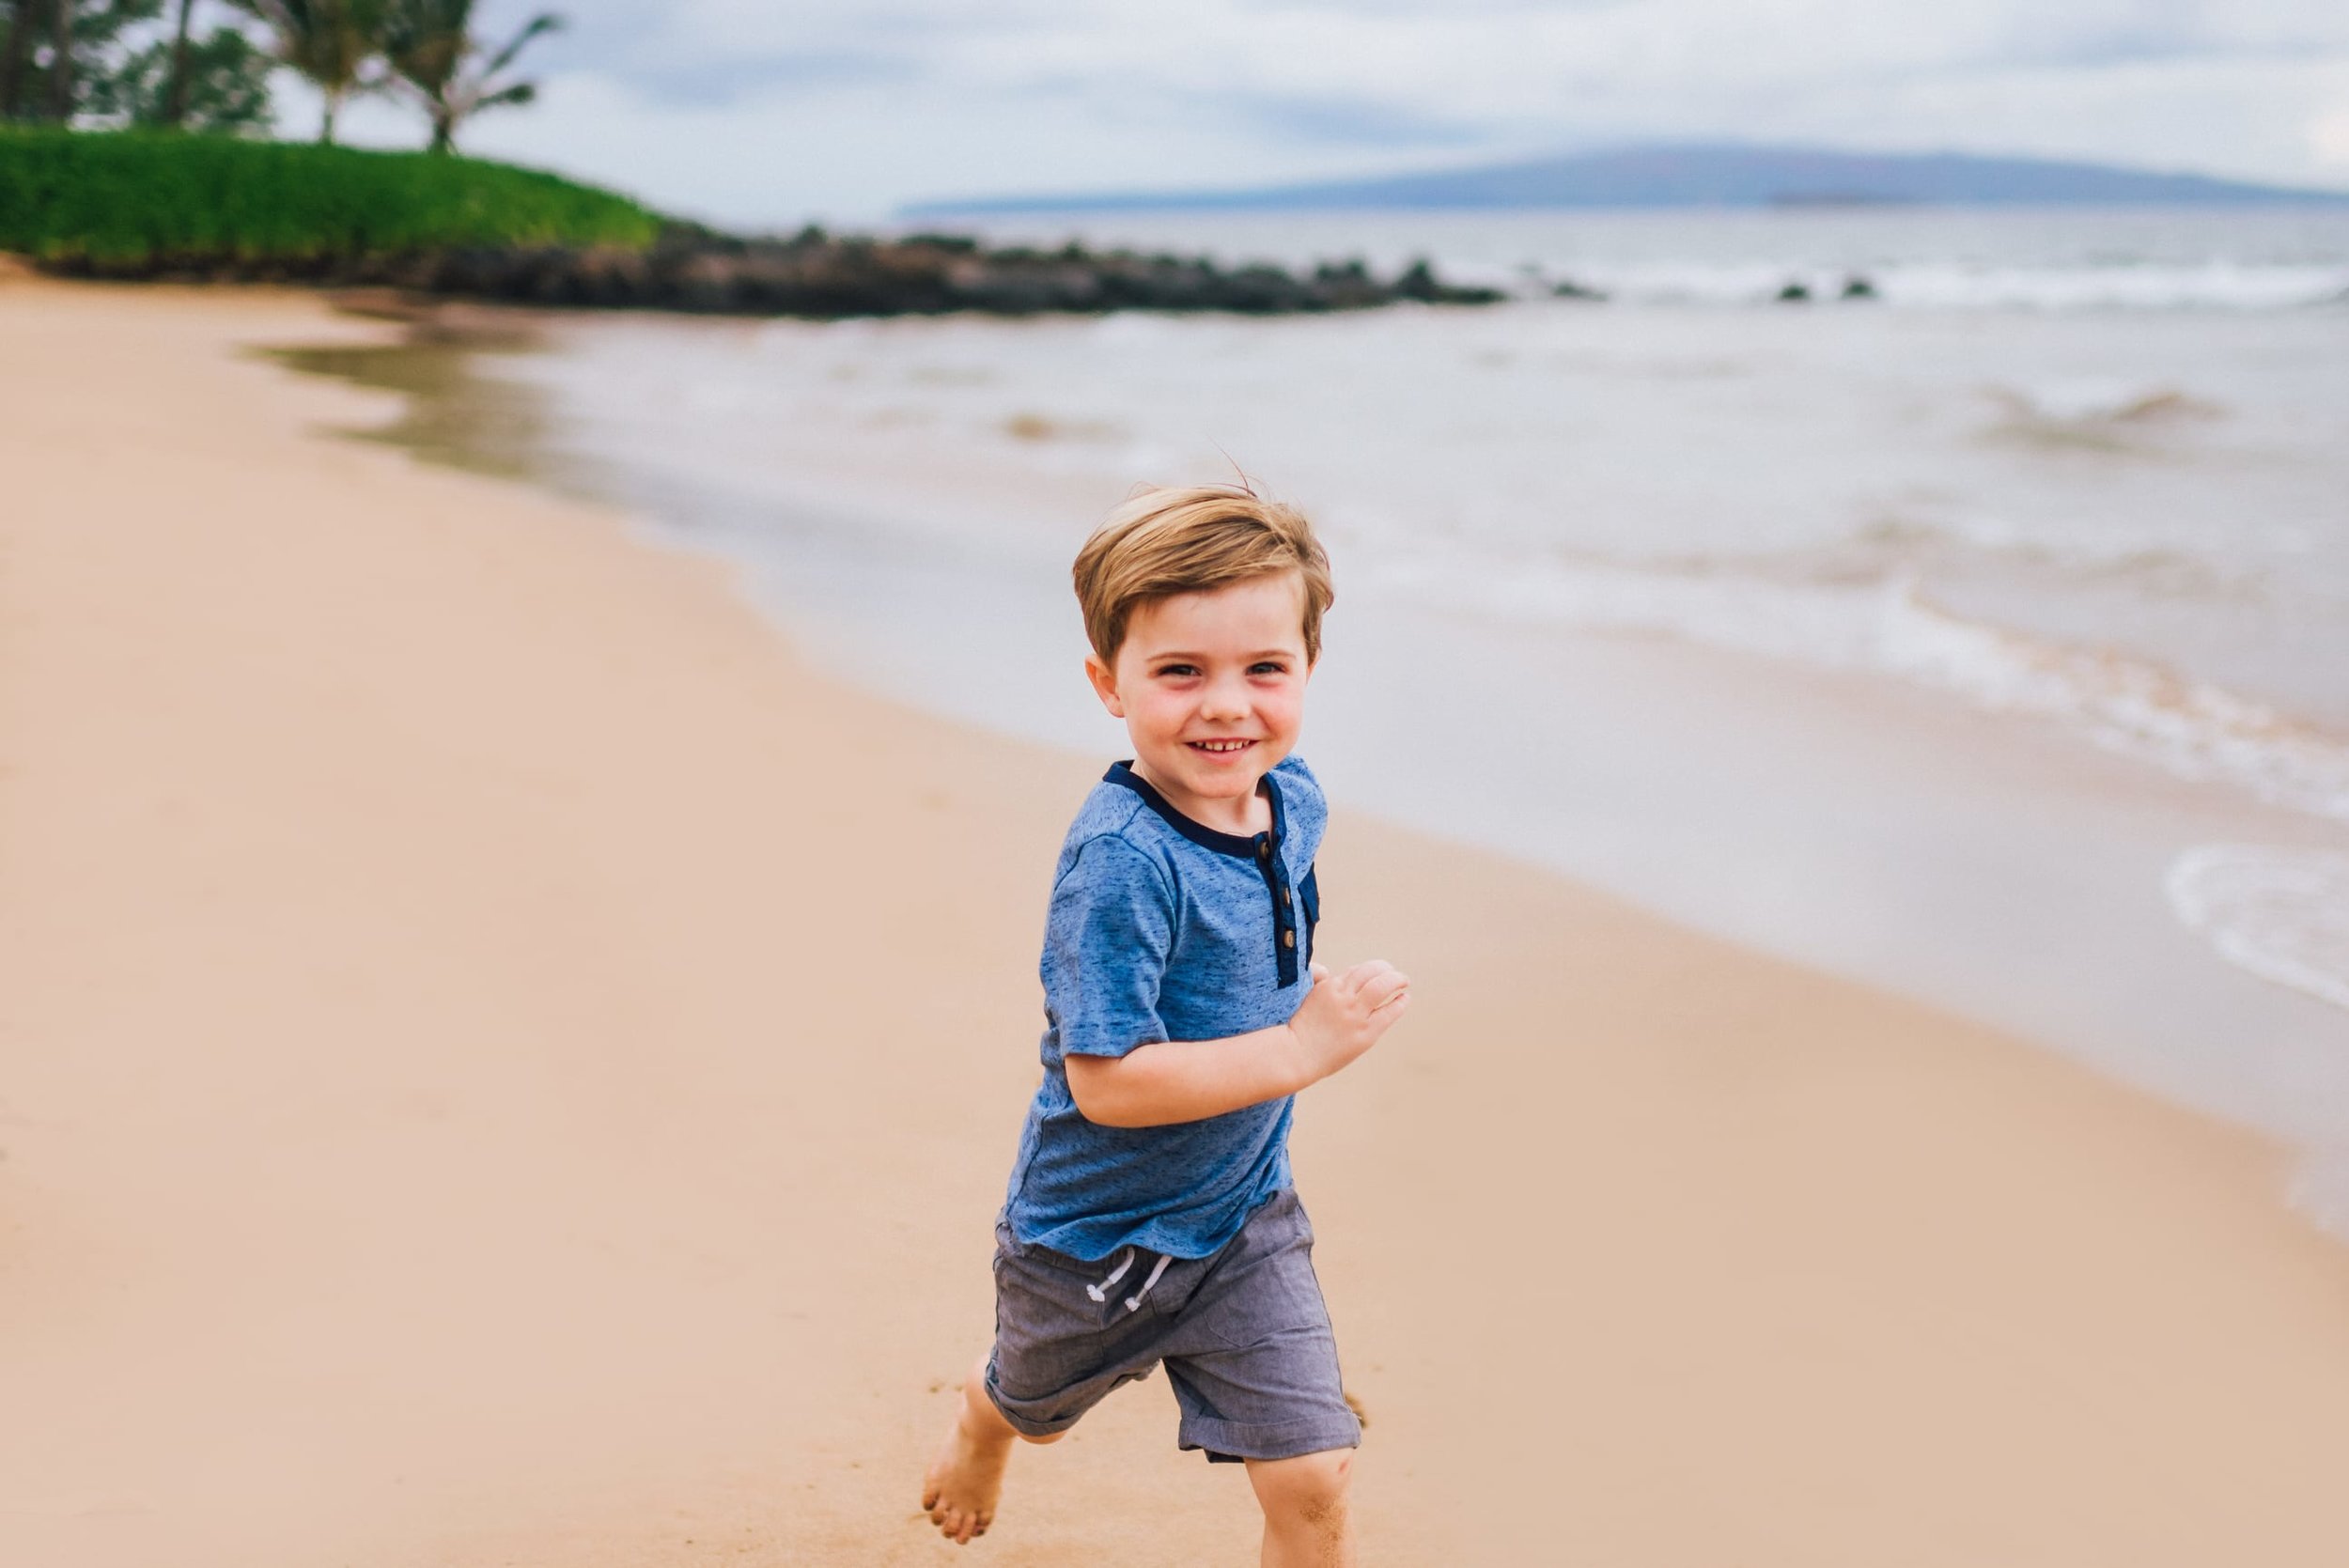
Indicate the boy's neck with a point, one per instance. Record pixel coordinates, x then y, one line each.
1243 815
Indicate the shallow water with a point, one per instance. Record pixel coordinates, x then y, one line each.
1996 655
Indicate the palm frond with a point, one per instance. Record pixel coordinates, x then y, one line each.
520 93
545 21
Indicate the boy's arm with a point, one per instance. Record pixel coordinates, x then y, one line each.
1190 1080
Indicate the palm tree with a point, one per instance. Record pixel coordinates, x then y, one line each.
176 100
16 55
330 41
82 40
60 60
432 47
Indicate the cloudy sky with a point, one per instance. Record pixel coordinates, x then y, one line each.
758 112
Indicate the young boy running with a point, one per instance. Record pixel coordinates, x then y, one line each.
1150 1215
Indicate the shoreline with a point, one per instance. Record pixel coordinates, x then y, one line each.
472 1088
1759 799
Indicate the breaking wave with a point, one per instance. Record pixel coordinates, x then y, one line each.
2193 728
2218 286
2282 914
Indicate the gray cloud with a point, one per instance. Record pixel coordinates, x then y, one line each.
1349 123
718 82
1380 64
917 98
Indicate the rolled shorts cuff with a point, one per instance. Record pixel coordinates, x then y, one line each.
1019 1420
1289 1439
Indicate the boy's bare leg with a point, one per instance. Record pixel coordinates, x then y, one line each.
967 1476
1306 1521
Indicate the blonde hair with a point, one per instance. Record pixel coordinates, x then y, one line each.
1166 541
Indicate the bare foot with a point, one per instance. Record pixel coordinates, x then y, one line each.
967 1476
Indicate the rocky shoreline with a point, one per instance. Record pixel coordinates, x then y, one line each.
814 273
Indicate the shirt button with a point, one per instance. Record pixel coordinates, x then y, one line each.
1284 898
1264 850
1288 938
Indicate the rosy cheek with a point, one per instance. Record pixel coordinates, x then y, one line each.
1168 706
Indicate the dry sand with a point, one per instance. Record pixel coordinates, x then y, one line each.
500 1064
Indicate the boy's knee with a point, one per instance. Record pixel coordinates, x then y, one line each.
1310 1488
976 1394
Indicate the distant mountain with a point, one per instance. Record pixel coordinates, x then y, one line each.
1701 175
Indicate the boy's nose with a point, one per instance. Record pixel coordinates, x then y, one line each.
1224 700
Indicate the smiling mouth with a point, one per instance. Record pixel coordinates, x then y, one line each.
1219 748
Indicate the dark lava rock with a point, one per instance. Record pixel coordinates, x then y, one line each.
1859 287
1795 292
1419 281
815 273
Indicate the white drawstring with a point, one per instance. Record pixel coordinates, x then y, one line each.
1101 1291
1133 1302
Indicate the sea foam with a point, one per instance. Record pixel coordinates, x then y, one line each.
2282 914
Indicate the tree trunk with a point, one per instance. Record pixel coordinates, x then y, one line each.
61 61
326 125
443 129
176 103
19 52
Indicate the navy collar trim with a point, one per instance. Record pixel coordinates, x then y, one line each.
1234 845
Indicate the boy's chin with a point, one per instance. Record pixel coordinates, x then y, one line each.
1224 786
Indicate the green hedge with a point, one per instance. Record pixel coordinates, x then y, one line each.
134 198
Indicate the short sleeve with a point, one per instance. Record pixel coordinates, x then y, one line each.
1308 812
1106 942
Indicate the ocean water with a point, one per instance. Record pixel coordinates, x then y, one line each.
1918 257
1987 639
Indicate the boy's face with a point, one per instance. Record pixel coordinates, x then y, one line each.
1211 686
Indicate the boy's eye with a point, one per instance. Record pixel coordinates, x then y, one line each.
1179 670
1269 667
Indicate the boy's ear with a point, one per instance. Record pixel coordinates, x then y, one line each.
1104 685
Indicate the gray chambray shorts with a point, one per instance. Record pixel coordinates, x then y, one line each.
1243 1332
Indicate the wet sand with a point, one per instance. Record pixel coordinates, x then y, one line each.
500 1062
1992 859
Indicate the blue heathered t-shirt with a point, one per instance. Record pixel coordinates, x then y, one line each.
1162 929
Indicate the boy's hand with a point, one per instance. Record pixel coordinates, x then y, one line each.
1344 1015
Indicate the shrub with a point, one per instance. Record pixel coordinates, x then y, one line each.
133 200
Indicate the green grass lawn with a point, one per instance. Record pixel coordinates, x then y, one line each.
140 199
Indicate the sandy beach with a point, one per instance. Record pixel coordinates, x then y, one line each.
502 1062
